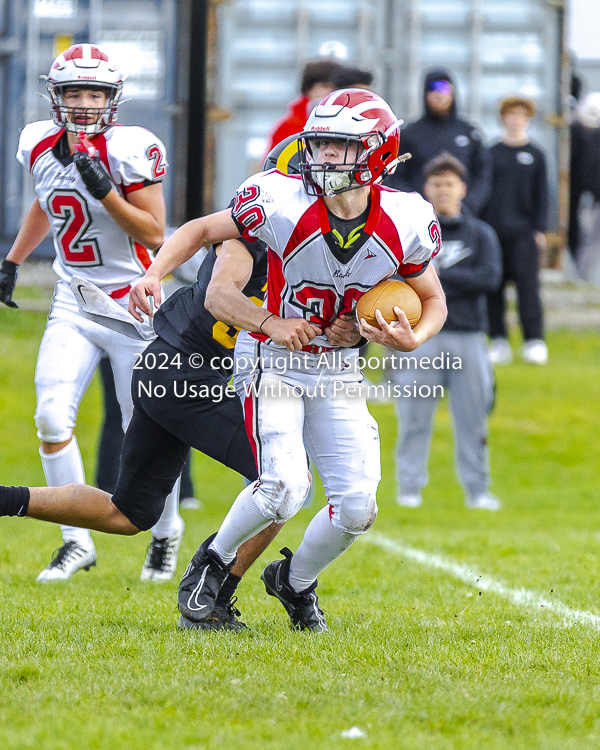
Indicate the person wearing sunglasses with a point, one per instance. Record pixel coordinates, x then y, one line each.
440 130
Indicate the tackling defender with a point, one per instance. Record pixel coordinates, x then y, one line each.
332 234
162 429
103 211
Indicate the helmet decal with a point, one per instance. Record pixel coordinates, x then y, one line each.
285 156
76 52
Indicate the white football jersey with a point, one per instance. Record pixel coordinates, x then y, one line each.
305 278
87 240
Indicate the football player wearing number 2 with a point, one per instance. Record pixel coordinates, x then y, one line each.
98 190
332 233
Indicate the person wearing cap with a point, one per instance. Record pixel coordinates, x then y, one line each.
441 130
518 211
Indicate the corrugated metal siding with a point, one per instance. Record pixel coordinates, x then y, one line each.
141 32
494 47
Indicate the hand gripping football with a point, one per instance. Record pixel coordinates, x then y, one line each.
384 297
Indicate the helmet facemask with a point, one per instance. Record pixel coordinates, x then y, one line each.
64 116
331 179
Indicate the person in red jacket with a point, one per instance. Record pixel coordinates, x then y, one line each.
317 81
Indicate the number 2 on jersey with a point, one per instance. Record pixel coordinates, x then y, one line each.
72 208
158 166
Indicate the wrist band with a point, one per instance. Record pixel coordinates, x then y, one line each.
260 327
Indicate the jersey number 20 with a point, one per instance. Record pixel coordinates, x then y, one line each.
72 208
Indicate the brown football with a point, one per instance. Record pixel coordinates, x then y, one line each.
384 297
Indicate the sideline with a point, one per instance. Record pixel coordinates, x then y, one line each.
518 597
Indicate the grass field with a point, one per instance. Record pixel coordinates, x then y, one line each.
449 628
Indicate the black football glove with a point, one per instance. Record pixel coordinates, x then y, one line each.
93 174
8 280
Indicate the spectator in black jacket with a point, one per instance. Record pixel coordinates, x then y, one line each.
585 168
469 267
441 130
518 212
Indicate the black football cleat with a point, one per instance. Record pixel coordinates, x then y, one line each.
201 583
222 618
302 607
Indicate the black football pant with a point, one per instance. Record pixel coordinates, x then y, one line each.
111 439
520 258
168 418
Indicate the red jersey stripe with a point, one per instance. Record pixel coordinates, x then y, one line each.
275 286
275 282
306 226
249 409
44 145
120 293
134 186
384 227
99 142
143 255
374 212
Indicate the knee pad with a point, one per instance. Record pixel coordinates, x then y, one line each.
281 498
53 420
357 513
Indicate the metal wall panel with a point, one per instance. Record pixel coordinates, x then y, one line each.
141 34
493 47
263 45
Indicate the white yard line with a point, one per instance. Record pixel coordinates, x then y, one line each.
518 597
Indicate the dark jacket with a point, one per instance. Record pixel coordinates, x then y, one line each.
430 136
470 267
585 159
519 199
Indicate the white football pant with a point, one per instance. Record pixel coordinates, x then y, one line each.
69 353
338 431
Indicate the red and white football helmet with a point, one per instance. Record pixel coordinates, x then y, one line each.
84 65
354 116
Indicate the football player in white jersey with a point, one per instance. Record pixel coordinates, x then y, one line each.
332 233
98 190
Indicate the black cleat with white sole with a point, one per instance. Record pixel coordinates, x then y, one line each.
303 606
201 583
222 618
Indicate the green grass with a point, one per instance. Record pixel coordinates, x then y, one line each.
415 657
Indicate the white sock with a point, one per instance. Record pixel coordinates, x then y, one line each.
322 543
66 467
244 520
170 522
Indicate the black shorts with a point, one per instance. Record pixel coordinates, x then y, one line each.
170 414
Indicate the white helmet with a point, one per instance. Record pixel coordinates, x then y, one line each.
84 65
351 116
